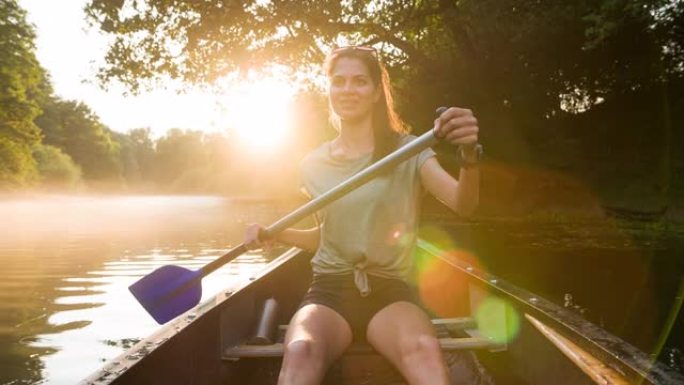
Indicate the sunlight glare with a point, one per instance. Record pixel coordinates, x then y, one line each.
259 113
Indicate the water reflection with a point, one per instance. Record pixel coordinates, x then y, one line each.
67 264
97 324
625 277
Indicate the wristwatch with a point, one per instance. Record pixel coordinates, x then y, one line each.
465 163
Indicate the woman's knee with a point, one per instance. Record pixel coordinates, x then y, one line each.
302 363
422 349
300 353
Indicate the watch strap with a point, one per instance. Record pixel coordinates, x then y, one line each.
465 163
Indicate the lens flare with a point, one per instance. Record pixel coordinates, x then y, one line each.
497 320
443 288
398 235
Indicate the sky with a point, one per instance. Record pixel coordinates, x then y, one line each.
70 50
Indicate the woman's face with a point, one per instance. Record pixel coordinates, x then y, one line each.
351 90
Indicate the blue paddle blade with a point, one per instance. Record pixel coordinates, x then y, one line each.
168 292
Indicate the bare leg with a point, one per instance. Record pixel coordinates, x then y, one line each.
316 337
403 333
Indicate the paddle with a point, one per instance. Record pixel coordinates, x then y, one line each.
170 291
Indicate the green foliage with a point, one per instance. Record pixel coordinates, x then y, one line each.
56 168
17 167
556 45
181 161
577 86
75 129
137 155
22 86
528 68
177 153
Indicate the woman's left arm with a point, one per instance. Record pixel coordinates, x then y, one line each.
459 127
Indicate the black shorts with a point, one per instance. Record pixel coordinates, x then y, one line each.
338 292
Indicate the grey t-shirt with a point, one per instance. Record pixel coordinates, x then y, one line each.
371 230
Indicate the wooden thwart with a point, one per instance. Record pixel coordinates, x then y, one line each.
452 325
449 326
276 350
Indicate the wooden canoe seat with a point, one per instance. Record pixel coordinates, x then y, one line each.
453 333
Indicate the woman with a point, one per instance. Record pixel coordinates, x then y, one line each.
364 245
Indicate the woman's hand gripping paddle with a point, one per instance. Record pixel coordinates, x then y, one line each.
170 291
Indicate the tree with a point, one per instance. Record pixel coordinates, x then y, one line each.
530 69
137 155
180 162
74 128
22 85
56 168
201 41
519 63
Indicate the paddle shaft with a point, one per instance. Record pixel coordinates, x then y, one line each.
419 144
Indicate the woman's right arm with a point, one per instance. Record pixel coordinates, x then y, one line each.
304 239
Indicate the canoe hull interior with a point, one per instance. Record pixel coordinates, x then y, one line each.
192 349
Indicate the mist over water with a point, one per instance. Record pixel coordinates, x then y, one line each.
67 263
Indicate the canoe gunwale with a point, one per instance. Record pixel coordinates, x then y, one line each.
117 367
616 353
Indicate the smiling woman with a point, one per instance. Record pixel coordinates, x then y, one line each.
259 113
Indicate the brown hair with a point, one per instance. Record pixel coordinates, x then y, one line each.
388 128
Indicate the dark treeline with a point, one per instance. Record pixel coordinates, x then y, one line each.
577 101
48 142
44 141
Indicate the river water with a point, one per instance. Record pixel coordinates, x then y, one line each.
67 262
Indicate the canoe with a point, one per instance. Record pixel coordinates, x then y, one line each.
490 330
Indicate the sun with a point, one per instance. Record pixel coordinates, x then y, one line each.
259 113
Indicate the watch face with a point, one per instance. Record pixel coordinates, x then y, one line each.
479 151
